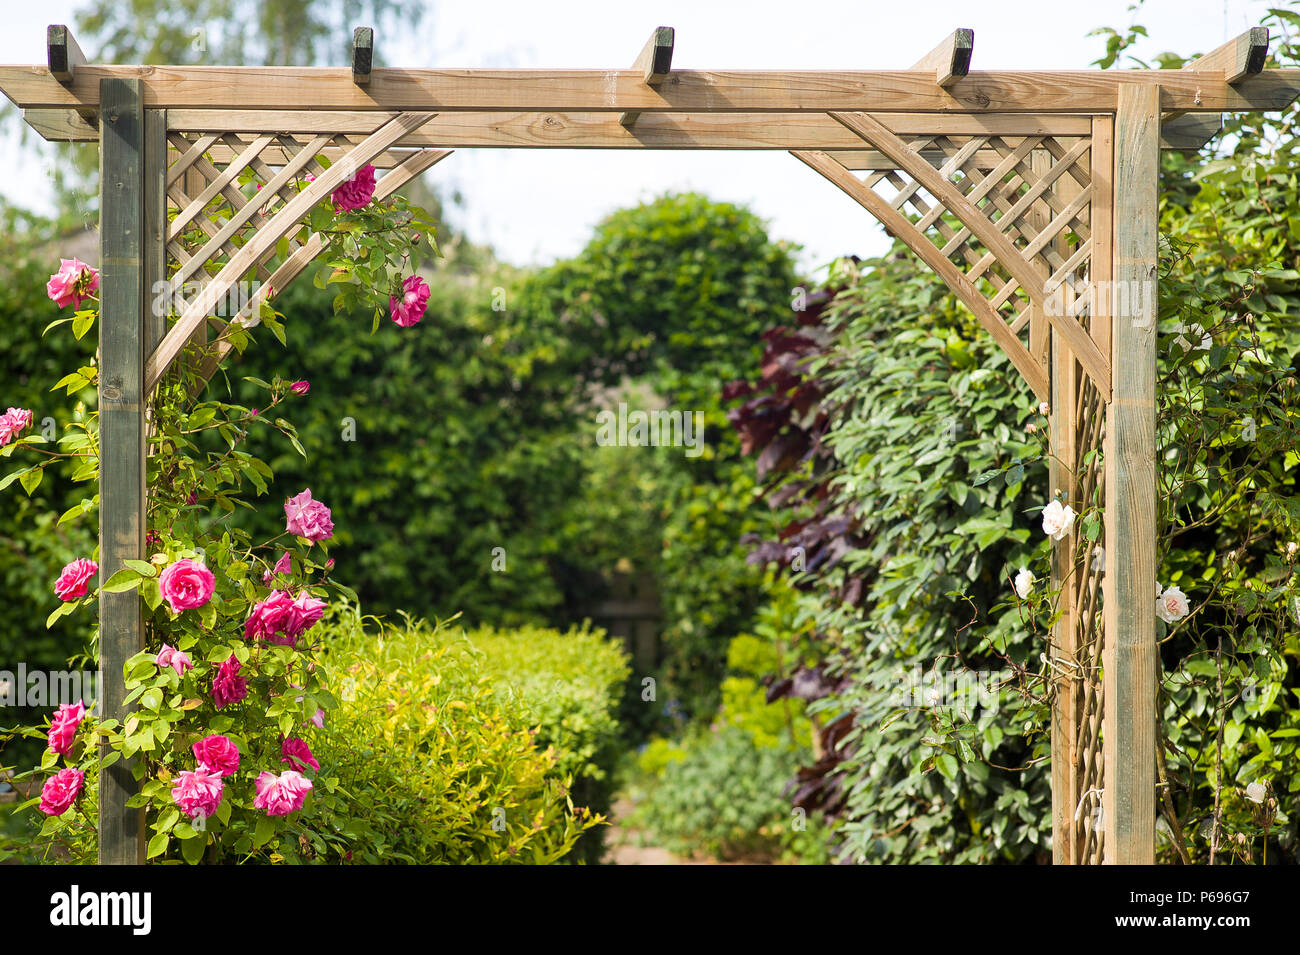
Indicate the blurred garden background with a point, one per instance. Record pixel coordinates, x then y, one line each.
710 648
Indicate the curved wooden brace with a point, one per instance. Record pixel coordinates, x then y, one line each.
304 255
283 222
933 256
987 232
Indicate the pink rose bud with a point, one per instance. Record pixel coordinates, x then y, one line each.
63 727
186 585
408 310
282 566
178 660
74 579
307 518
297 754
73 283
61 791
300 387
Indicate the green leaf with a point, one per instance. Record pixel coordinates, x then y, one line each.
61 611
12 476
124 580
31 480
157 845
265 830
192 849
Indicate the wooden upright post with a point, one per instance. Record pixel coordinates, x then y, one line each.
1130 658
121 438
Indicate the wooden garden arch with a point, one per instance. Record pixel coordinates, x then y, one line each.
1033 195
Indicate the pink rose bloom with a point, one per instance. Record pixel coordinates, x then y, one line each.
308 518
74 579
415 299
216 754
228 686
300 387
282 566
283 794
186 584
63 726
178 660
357 192
198 791
270 617
297 753
73 283
304 613
12 422
61 791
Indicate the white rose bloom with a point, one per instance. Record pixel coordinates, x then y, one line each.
1043 408
1172 606
1058 518
1024 583
1256 792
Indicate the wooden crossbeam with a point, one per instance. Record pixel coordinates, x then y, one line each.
363 54
655 61
62 53
738 131
619 91
1190 131
1239 58
950 60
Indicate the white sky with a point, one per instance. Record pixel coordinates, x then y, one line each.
538 205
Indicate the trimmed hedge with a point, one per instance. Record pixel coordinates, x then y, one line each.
491 746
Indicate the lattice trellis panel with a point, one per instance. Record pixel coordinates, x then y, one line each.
1075 656
1005 221
237 204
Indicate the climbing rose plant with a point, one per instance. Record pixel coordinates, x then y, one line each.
230 686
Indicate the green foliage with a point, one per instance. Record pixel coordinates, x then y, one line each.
35 543
566 686
436 760
938 533
722 798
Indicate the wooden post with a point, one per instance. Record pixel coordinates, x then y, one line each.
122 439
1130 657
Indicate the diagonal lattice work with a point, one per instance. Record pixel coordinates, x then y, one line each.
1005 220
236 233
1075 655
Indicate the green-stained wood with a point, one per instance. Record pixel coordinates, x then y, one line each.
1130 447
121 436
363 54
155 226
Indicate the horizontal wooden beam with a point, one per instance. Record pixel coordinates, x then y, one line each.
618 91
602 131
62 53
655 61
1190 131
950 60
363 54
1242 56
